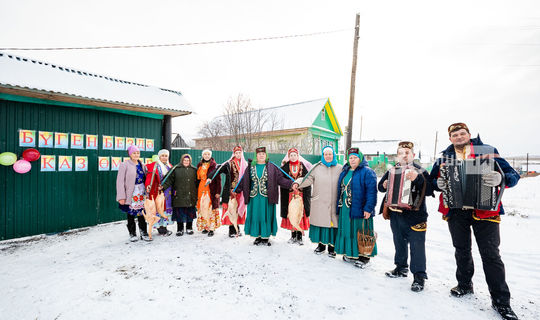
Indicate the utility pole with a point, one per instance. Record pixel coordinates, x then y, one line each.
348 141
435 149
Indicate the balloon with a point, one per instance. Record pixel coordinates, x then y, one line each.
22 166
7 158
31 154
155 158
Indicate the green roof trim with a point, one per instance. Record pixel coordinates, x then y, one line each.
12 97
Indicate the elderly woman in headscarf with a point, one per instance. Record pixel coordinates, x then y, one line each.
130 193
259 184
357 192
207 224
297 167
183 180
156 172
233 169
323 178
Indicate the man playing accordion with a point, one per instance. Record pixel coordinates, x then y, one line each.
484 223
406 186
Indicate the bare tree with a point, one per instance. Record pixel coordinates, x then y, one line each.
240 124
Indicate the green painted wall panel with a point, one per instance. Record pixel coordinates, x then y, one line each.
47 202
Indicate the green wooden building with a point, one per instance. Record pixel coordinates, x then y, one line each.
81 123
308 126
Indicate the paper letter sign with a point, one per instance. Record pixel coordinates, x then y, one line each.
77 141
149 144
46 139
61 140
48 163
81 163
65 163
103 163
115 163
27 138
129 142
140 144
107 143
91 141
119 143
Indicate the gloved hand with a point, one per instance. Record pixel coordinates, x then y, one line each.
491 179
441 184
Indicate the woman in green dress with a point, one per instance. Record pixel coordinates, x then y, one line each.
259 185
357 197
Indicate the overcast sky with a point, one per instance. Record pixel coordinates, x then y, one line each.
422 64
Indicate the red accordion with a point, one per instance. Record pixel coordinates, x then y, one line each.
399 188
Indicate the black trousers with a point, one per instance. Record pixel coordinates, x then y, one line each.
131 224
488 239
403 237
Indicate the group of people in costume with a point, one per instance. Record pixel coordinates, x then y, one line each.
338 205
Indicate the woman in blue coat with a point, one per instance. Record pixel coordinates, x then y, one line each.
357 197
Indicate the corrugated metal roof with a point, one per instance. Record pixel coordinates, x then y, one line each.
290 116
19 72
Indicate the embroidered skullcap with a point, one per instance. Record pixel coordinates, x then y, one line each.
260 149
457 126
406 144
237 148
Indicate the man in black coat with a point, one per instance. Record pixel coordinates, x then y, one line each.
485 224
408 224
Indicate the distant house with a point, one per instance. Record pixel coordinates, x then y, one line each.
178 142
377 149
308 126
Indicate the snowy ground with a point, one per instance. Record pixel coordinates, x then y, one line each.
97 274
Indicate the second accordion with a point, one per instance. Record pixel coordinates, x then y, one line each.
464 187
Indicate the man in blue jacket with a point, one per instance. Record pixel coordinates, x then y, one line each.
484 223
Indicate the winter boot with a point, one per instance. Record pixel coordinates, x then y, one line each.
204 231
418 283
397 273
265 242
211 233
257 241
232 231
133 238
144 235
506 312
299 238
189 228
331 252
179 229
320 248
293 237
460 291
361 262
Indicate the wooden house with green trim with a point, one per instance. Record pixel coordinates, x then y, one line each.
308 126
81 123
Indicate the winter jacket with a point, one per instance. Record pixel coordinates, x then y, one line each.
275 178
478 148
363 189
413 217
306 193
125 180
184 182
324 182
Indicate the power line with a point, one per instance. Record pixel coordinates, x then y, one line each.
180 44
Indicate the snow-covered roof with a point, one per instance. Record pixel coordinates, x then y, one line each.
376 146
29 77
290 116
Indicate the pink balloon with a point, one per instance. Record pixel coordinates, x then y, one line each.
22 166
